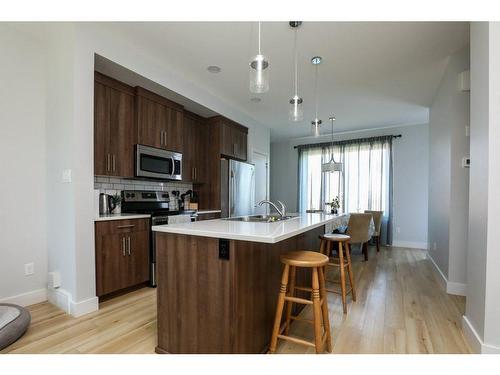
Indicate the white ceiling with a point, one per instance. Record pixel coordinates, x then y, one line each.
374 74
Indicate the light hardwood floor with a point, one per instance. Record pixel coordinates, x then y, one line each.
400 309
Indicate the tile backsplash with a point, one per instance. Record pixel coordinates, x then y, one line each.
113 185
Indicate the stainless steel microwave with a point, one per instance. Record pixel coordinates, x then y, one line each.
157 163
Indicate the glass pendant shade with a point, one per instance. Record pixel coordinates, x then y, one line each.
315 125
296 109
259 75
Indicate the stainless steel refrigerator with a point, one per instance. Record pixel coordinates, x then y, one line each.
237 188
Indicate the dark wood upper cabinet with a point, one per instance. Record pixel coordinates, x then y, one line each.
159 121
114 127
194 158
234 136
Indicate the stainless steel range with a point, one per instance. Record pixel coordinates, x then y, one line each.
157 204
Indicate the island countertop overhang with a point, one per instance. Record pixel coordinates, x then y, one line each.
250 231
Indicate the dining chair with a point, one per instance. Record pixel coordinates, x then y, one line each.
377 220
358 228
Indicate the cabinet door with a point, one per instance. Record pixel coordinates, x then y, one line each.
150 121
189 150
138 254
111 263
122 133
101 129
174 130
227 146
240 144
200 160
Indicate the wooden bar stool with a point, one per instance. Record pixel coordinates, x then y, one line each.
317 262
344 261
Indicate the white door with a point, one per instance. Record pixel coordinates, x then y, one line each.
260 160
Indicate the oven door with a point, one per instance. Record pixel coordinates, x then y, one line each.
153 162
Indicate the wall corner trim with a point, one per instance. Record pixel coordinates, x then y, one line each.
475 342
84 307
450 287
28 298
64 300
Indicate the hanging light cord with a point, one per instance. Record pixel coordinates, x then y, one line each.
259 37
316 90
295 53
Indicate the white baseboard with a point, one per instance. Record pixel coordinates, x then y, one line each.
26 299
451 287
458 289
410 244
475 342
64 300
84 307
60 298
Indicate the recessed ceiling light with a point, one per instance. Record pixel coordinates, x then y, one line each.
214 69
256 100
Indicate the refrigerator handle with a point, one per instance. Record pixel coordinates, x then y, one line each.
231 193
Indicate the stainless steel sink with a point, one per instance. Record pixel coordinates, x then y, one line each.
261 218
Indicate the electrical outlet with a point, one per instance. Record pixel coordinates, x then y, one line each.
398 229
29 269
66 176
223 249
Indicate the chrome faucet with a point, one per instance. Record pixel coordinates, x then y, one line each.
281 212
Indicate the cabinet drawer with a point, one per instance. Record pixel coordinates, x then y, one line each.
103 228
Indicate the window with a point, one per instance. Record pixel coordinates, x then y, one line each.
364 184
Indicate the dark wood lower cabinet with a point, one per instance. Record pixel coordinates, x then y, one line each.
212 305
121 254
208 216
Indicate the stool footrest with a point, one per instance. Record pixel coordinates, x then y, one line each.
298 318
333 264
297 340
339 291
298 300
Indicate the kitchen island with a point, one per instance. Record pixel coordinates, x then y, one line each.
218 281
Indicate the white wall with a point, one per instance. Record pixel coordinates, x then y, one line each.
481 325
23 202
410 178
448 180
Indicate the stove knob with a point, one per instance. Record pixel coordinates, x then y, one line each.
132 195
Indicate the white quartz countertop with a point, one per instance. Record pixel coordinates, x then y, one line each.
121 217
250 231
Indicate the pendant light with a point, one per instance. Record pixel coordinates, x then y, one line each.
316 60
296 110
332 165
259 73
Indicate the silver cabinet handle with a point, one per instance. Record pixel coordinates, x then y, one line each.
123 246
128 246
108 163
114 162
